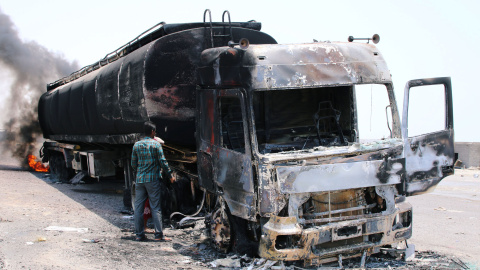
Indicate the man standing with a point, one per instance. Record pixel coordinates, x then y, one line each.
148 160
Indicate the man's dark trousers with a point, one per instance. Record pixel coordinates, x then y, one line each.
152 191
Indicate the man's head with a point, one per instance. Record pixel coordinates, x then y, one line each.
149 128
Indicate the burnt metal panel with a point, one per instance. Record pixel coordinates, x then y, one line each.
234 167
429 157
206 171
234 175
76 115
279 172
132 101
271 200
339 176
106 95
177 27
90 109
207 137
109 139
154 82
234 170
320 242
92 106
225 171
293 66
157 31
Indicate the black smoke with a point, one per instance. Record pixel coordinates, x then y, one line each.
31 67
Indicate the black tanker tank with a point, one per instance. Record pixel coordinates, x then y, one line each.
153 77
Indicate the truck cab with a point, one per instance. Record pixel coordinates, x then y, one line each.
280 142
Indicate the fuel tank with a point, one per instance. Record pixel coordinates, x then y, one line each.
151 78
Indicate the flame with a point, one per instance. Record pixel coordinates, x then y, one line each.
37 165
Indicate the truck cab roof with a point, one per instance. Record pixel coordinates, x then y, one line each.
286 66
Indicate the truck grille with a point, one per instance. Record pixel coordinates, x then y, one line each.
342 205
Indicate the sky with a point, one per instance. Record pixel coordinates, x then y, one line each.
418 39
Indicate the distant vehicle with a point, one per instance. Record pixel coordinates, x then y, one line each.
265 138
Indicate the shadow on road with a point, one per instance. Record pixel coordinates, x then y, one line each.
104 198
12 168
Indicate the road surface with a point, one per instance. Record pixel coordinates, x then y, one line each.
448 219
37 214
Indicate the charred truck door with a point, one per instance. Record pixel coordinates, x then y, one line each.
429 157
225 166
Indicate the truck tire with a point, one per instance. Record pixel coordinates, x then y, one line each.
59 169
219 229
229 233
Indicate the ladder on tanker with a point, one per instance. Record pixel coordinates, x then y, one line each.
224 35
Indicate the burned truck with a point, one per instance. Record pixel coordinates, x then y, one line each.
266 138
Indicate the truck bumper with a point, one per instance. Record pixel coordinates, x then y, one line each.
321 244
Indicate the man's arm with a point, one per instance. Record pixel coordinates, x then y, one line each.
164 164
158 140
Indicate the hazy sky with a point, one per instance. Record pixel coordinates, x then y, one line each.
419 39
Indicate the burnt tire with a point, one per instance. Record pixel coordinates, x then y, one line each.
58 168
230 233
220 230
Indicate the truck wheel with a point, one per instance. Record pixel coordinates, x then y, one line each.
220 230
59 168
229 233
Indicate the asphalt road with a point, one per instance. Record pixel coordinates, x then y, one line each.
448 219
445 221
49 225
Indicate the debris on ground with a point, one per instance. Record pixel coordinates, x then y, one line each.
66 229
422 260
458 164
41 239
78 177
227 262
193 244
91 240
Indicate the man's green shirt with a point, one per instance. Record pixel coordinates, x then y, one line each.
148 160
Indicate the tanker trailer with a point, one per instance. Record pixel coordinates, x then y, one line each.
92 118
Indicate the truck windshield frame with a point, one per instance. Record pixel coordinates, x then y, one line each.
306 119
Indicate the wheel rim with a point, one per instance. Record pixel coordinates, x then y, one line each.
220 230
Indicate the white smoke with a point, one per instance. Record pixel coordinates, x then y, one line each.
29 67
